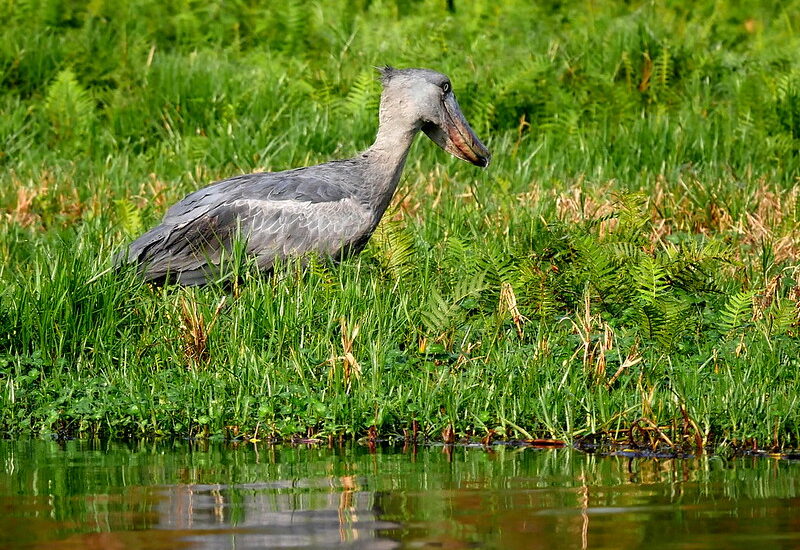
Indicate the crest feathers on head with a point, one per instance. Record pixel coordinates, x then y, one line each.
387 72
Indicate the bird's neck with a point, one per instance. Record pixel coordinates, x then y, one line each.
385 160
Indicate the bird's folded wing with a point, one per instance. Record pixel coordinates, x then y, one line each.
271 229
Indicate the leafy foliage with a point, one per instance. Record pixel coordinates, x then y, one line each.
69 107
631 253
394 249
737 311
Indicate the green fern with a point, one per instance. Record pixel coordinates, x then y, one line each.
128 216
394 249
627 67
662 75
320 271
538 293
651 281
663 68
456 253
469 287
650 320
631 210
787 101
69 106
496 268
737 311
692 264
781 316
597 261
362 97
296 21
676 322
437 313
321 93
625 251
441 314
482 114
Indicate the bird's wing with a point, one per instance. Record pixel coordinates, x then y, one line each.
186 243
315 184
279 214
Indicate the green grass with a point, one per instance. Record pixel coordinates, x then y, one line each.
629 259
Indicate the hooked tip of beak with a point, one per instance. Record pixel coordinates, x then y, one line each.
458 139
465 145
476 153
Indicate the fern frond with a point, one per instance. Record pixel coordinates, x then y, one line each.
633 217
395 249
296 18
597 260
737 311
469 287
675 322
625 251
662 74
663 68
441 314
68 105
456 253
539 294
787 101
438 313
483 114
128 217
497 268
651 280
627 66
320 271
321 93
362 97
782 316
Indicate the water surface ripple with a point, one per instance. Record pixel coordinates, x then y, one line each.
79 494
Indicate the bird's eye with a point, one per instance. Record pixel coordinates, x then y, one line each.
446 87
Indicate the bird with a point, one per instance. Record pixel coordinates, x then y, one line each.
329 209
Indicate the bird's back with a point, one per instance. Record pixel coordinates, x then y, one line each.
322 209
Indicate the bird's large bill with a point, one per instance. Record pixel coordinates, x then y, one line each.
457 137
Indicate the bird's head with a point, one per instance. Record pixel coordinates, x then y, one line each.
425 100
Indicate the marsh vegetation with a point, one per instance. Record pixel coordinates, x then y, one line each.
627 267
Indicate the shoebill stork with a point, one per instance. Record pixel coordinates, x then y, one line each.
330 209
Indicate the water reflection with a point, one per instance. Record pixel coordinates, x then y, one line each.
186 495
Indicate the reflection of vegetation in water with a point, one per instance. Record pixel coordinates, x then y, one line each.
160 493
629 256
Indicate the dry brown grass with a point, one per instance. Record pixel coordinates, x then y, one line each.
48 201
194 331
769 219
350 368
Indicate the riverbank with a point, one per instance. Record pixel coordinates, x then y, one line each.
627 263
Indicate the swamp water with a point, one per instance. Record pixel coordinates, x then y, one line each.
79 494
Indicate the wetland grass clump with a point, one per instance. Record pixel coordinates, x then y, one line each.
627 268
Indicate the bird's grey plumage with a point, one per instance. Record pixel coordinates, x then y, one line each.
329 209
